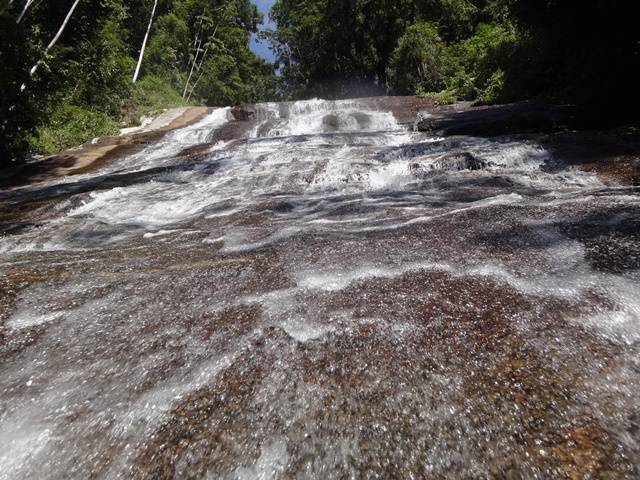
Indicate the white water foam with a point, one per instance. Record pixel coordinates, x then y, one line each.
359 155
270 465
176 141
312 117
73 396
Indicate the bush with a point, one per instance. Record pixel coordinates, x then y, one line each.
69 126
154 92
476 64
108 86
18 110
494 88
445 97
149 95
418 62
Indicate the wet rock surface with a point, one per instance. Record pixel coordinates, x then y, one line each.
243 113
491 121
94 154
612 153
320 292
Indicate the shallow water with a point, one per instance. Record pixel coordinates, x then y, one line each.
330 296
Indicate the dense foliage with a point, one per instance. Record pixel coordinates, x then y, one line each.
489 50
197 52
418 62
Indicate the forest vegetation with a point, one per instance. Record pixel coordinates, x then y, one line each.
197 52
486 50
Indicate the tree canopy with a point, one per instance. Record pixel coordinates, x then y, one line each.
68 64
489 50
197 52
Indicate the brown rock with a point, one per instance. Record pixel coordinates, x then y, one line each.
243 113
496 120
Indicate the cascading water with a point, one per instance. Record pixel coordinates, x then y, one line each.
331 295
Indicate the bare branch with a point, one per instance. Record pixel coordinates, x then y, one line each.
24 10
144 42
56 38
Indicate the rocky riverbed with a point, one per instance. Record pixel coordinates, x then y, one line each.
317 290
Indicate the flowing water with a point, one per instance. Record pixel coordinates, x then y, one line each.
330 296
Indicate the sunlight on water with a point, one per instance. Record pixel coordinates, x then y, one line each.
326 295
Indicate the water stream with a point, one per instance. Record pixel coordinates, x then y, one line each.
332 295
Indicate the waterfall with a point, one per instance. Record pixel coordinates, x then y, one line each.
318 291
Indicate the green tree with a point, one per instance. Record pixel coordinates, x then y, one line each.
324 46
418 62
476 65
17 109
578 52
86 74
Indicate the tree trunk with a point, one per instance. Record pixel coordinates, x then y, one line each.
204 55
193 65
186 86
55 39
24 10
144 42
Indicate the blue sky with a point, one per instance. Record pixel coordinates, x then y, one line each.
261 48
